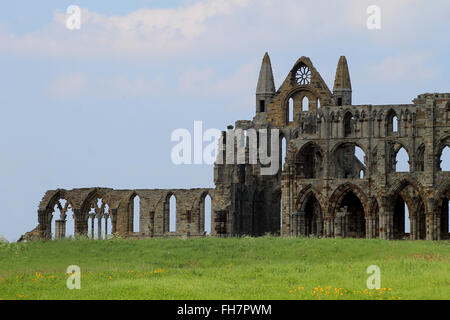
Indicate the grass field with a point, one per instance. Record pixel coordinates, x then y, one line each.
238 268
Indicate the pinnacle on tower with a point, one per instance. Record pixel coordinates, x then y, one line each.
342 89
265 89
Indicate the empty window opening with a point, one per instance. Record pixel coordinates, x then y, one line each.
62 223
348 162
313 217
391 122
172 214
283 152
401 223
339 101
402 161
291 110
309 162
407 221
394 124
208 214
305 104
351 217
136 214
349 124
445 159
262 106
318 103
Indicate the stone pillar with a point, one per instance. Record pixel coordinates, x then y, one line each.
151 226
60 229
106 225
430 220
221 223
114 221
338 224
413 232
301 223
99 226
319 227
91 217
331 227
369 230
81 225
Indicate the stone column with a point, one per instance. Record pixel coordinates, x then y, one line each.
331 227
99 226
91 217
114 221
369 229
413 232
430 220
301 223
60 229
151 226
106 225
81 225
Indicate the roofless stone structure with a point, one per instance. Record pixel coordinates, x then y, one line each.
337 173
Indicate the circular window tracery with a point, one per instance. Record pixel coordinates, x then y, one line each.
303 75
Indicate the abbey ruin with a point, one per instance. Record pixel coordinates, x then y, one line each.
323 188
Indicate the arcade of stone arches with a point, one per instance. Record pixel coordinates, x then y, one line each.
99 215
401 214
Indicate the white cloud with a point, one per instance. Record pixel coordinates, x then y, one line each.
214 26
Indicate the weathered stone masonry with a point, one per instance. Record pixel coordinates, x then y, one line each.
322 190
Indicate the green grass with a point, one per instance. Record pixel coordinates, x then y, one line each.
238 268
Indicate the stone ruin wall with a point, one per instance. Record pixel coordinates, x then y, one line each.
322 189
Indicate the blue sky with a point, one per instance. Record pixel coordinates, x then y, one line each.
97 106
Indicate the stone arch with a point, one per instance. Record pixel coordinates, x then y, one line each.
394 148
132 216
392 122
403 182
297 94
444 142
406 191
441 209
309 161
348 209
168 225
340 192
202 218
349 124
64 209
257 221
345 164
95 208
373 219
305 192
420 158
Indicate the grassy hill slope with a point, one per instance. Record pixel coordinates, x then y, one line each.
238 268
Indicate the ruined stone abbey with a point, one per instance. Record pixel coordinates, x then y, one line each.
323 188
